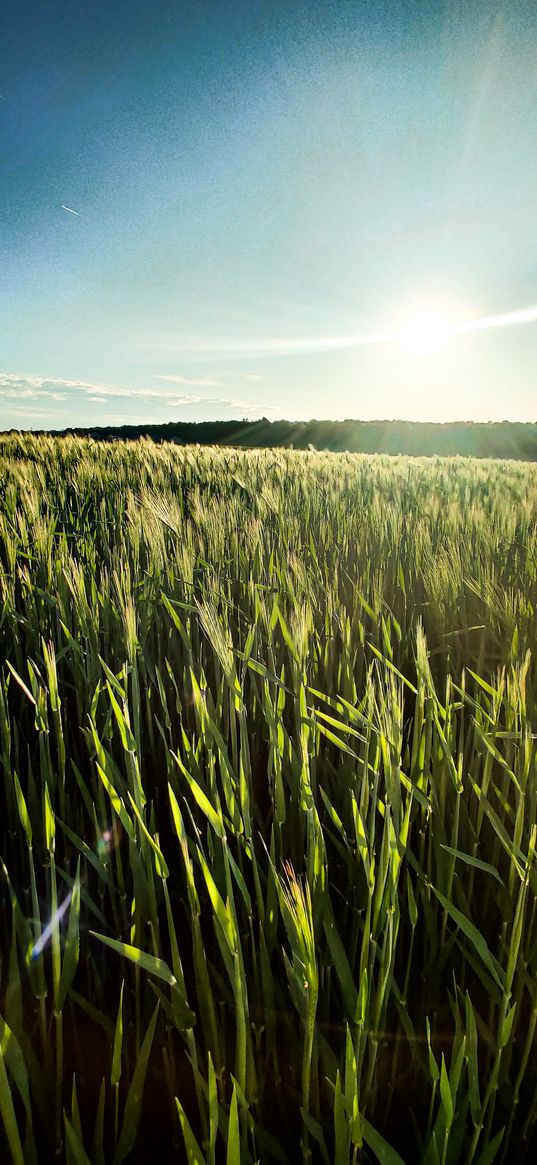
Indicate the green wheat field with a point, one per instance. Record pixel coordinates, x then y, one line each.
268 806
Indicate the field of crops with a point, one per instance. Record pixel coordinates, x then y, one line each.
268 806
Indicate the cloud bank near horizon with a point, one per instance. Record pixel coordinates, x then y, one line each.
53 398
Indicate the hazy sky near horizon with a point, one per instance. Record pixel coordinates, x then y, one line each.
254 183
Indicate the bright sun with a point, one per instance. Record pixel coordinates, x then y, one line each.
424 333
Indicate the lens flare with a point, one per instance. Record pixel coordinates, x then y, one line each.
106 843
42 941
109 839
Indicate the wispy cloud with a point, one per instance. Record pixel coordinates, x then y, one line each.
9 393
222 402
201 382
17 384
255 376
26 411
56 391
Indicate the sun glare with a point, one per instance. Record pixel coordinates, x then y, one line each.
424 333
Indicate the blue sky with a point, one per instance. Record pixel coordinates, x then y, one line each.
252 182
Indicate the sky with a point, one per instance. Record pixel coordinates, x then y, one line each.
207 208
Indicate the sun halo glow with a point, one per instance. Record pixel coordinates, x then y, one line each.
424 333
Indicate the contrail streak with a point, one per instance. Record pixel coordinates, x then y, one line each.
278 346
70 210
508 319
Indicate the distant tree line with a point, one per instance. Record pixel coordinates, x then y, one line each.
502 439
